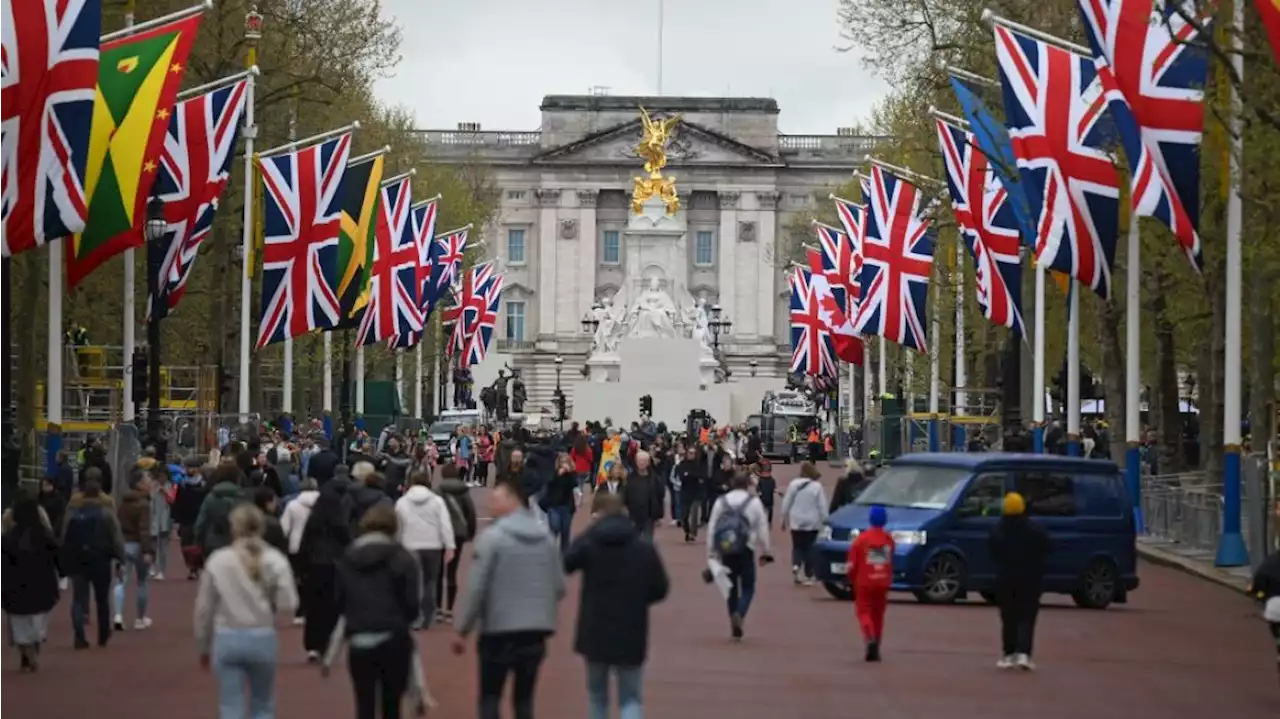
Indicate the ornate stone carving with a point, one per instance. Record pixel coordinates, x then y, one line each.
686 199
568 229
729 200
547 197
768 200
587 198
746 231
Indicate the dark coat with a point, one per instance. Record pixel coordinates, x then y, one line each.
365 498
644 495
99 460
274 535
328 530
693 478
320 466
1018 546
461 495
622 575
378 586
560 491
847 489
1266 581
30 579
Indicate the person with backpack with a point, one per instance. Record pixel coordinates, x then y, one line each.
804 511
213 524
739 531
186 509
134 514
325 537
426 531
91 542
462 517
871 575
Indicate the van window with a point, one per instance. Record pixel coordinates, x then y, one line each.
1048 494
984 497
1100 495
915 486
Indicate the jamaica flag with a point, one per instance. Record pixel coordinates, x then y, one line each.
361 188
138 80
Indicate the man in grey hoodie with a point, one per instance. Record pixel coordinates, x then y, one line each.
515 582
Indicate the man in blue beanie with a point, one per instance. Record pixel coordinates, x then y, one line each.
870 575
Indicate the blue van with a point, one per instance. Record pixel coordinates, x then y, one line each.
942 506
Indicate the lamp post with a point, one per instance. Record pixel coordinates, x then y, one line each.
753 364
559 392
589 322
718 326
154 231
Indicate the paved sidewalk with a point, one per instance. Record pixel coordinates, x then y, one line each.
1194 561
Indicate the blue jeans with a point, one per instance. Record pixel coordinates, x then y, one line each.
630 681
676 509
245 657
742 573
132 559
560 520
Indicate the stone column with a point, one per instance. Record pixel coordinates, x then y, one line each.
548 270
588 239
766 237
726 262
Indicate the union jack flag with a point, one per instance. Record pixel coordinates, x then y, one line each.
897 257
987 224
301 220
446 262
393 295
422 220
195 165
1154 77
454 319
1056 114
851 216
482 323
841 265
812 352
49 65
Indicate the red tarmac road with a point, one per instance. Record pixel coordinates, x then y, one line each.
1181 648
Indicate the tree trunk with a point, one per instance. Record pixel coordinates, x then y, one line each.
1211 380
1108 321
30 266
1262 352
1164 410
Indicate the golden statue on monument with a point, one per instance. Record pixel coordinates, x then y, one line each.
653 148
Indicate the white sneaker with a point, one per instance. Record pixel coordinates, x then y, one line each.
1006 662
795 574
159 576
142 623
299 621
117 623
313 657
1024 662
62 584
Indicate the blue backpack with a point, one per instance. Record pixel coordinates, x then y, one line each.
85 535
732 532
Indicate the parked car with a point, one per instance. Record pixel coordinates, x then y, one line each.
942 507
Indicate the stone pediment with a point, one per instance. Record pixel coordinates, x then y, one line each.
690 145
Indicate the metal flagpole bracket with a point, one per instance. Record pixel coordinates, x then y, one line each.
993 19
947 117
157 22
427 201
355 125
908 174
456 231
369 155
402 176
825 226
217 84
970 76
849 202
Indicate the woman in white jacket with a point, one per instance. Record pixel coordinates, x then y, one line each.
804 511
426 530
293 521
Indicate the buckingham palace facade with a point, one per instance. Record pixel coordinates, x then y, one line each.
564 197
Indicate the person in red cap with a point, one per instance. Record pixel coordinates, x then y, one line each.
870 575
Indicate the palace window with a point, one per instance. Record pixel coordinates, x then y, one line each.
515 246
515 320
515 195
704 248
611 248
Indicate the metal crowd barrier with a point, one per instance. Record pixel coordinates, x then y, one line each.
1188 514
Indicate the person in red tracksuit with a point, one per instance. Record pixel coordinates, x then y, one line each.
870 575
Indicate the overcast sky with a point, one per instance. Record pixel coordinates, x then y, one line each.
492 61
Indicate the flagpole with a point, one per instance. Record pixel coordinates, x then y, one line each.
402 176
307 141
1037 370
368 155
1133 372
417 384
217 84
326 399
1232 551
399 377
53 379
360 380
250 133
1073 369
131 29
961 402
880 373
287 403
129 340
935 373
868 398
991 18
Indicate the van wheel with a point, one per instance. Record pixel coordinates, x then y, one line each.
944 578
837 591
1098 586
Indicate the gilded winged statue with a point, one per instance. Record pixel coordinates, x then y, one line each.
653 148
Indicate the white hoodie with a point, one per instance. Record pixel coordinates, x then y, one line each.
424 520
295 516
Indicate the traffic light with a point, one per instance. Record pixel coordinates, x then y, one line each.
646 405
141 377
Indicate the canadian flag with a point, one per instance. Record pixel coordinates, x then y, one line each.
847 343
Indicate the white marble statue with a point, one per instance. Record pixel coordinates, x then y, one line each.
653 314
609 329
699 318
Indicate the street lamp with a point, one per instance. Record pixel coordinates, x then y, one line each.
559 392
718 326
753 364
589 321
154 231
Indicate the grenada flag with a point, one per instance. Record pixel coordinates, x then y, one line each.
1269 11
610 455
138 80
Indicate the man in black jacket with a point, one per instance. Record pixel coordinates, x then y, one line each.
378 596
622 575
643 495
691 475
1019 548
321 465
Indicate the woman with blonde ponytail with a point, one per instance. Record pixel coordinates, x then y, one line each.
242 588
